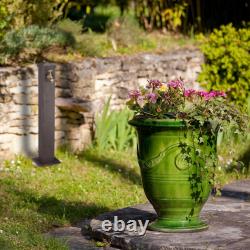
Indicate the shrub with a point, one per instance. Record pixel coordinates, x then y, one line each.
161 14
29 12
5 19
73 27
33 38
92 44
227 62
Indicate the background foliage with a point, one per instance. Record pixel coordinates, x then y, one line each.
113 131
227 65
28 12
33 40
160 14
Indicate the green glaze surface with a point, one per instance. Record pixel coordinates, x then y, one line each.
165 175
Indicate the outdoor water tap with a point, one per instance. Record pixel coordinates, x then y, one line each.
50 76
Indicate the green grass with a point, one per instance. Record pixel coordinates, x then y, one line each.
34 200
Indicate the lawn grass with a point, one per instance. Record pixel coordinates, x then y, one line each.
34 200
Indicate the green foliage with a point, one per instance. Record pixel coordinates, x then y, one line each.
73 27
227 62
29 12
126 35
112 129
87 43
91 44
237 159
5 19
33 39
122 36
161 14
98 19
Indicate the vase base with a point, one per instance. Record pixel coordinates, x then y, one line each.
167 226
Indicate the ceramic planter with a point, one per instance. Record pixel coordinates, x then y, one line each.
165 175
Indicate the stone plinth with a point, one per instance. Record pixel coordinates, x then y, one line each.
228 219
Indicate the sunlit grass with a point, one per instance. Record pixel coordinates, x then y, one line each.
34 200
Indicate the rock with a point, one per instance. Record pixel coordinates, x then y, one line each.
26 99
65 93
59 135
73 104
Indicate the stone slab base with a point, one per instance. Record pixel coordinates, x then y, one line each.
228 220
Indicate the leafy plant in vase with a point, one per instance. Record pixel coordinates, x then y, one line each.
177 135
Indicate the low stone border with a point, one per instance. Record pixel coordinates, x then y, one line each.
238 189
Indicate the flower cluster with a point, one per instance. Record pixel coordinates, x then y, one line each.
171 99
207 95
160 98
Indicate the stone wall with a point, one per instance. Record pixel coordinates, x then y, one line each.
89 82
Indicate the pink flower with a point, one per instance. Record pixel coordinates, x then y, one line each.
221 94
154 84
210 95
176 84
189 92
134 94
202 93
152 97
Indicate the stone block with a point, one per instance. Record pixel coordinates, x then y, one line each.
122 93
108 65
61 124
24 90
27 144
59 135
26 99
60 92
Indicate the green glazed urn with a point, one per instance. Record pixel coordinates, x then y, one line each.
165 175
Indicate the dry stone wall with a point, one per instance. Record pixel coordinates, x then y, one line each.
90 81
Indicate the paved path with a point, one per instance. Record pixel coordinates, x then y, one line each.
228 218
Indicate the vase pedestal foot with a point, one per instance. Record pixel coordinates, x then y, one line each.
167 226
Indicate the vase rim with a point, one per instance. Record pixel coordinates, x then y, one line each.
157 122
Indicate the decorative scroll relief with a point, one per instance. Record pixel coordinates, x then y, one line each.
179 161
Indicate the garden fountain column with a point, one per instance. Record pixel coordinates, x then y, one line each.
46 138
